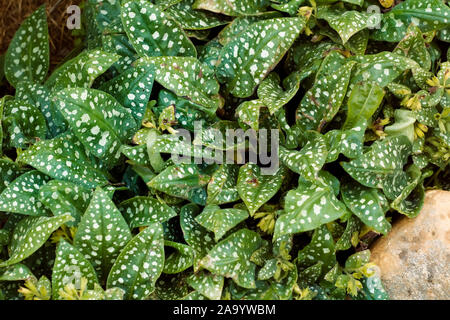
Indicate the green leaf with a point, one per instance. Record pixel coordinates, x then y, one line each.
232 7
198 237
307 208
255 188
348 142
382 166
240 24
321 103
81 71
139 264
428 15
382 68
231 257
403 125
248 113
222 186
63 197
247 59
27 57
310 159
345 23
132 90
413 46
353 227
320 249
70 266
411 199
102 233
373 289
30 234
22 195
207 284
363 102
181 181
9 171
24 123
16 272
144 211
220 220
275 96
368 204
187 78
64 158
180 259
39 96
101 131
153 33
192 19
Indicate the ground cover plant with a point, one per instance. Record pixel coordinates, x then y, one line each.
92 205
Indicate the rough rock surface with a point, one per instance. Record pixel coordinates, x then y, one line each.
414 258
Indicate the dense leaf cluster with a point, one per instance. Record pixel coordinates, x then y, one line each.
92 206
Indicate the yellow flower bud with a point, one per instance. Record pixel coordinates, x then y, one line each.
386 3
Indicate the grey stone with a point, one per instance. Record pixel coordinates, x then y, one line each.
414 257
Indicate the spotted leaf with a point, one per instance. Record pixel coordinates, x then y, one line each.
222 186
368 204
101 131
198 237
207 284
139 264
153 32
248 58
307 208
411 199
345 23
182 181
255 188
320 249
231 257
24 123
132 90
428 15
232 7
102 233
192 19
220 220
187 78
382 166
16 272
275 96
63 197
81 71
27 57
348 142
39 96
309 160
144 211
321 103
64 158
413 46
9 171
30 234
382 68
22 195
180 259
240 24
70 266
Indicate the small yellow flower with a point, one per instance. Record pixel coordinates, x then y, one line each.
36 290
386 3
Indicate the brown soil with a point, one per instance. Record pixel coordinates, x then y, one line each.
13 12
